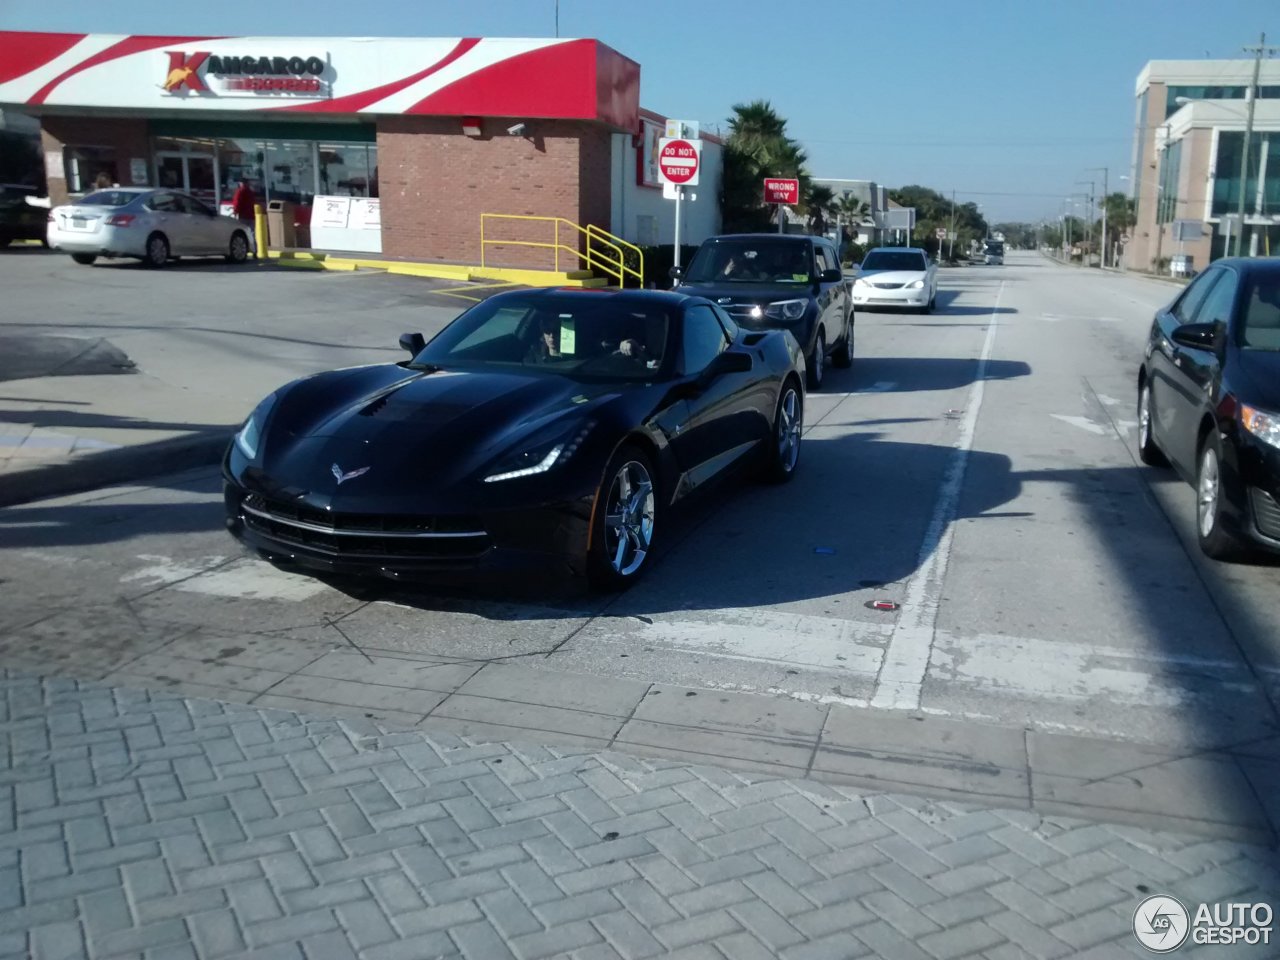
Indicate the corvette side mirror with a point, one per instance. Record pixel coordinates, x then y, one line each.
413 342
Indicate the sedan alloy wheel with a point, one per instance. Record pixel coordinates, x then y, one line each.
157 250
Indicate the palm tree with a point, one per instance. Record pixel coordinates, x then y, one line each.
757 147
820 202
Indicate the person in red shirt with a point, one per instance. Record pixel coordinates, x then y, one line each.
242 202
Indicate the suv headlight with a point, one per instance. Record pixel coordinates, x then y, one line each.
787 310
915 284
1265 426
540 455
249 438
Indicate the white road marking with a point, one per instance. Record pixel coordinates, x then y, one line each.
1109 401
1071 671
253 580
1084 423
907 660
761 636
163 569
245 579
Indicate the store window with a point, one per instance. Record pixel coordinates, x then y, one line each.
348 170
1226 182
83 166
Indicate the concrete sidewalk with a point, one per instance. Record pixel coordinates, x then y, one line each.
141 824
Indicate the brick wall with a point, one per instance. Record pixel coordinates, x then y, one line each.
435 182
127 137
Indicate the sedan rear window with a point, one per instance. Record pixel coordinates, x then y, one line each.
107 198
889 260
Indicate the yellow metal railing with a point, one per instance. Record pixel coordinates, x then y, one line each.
597 249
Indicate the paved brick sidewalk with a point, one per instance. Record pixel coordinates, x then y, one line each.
138 824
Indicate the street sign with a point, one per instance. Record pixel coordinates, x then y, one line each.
678 161
1187 230
781 191
682 130
940 233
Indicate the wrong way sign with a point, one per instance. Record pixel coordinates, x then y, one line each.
679 161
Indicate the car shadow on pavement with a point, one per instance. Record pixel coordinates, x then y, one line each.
909 374
206 264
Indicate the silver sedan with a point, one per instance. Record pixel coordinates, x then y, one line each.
155 226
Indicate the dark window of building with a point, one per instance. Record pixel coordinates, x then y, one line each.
1167 208
1226 180
84 166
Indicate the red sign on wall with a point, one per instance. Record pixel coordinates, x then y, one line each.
781 191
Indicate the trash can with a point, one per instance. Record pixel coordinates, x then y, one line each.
280 229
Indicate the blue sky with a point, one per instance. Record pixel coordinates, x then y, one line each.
1008 103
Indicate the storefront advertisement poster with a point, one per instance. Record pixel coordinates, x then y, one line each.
53 164
366 214
332 212
138 170
647 159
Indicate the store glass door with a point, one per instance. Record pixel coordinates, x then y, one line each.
193 173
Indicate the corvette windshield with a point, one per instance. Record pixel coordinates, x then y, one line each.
587 336
752 261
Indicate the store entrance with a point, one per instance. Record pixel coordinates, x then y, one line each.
193 173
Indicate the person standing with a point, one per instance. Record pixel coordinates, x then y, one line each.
243 202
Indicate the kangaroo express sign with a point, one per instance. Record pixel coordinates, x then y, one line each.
204 72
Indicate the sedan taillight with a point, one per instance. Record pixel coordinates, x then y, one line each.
121 220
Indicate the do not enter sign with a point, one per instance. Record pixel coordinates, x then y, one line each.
678 161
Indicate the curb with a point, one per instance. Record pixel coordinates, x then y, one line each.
109 467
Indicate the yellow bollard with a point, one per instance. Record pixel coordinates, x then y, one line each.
260 230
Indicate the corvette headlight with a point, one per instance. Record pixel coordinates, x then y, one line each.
786 310
541 456
915 284
1265 426
250 435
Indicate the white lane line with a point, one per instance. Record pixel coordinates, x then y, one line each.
907 661
1029 668
1084 423
756 636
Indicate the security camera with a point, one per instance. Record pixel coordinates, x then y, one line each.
516 130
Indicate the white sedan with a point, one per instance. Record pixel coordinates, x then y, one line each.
896 277
152 225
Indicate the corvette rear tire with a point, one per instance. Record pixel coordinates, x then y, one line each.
624 521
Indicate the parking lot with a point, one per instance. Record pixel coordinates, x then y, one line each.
1055 630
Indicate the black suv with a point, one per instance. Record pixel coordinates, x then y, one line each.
776 281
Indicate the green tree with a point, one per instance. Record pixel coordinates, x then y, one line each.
933 212
820 204
757 147
1121 215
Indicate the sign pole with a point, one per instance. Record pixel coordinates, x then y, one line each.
679 199
782 217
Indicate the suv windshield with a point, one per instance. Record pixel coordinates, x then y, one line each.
752 261
584 336
1261 314
893 260
107 198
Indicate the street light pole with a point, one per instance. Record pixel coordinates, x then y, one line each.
1259 50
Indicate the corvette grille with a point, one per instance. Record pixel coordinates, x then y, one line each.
365 536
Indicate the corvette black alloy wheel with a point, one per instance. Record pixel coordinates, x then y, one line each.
626 523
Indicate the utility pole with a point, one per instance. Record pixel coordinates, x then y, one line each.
951 248
1105 240
1260 51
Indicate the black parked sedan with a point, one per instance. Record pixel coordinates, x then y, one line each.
538 425
775 281
1209 401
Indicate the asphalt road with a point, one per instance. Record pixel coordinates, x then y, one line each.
976 467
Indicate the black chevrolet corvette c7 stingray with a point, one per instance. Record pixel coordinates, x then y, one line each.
539 425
